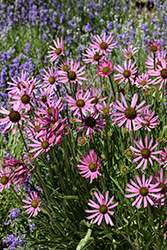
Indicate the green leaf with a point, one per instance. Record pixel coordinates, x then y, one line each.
85 240
117 184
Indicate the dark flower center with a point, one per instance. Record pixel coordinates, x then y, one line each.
144 191
65 67
143 83
90 121
126 73
153 48
103 209
25 99
148 122
145 152
4 180
44 98
106 70
93 166
106 111
129 55
104 45
95 100
163 188
14 116
58 51
51 80
130 113
97 57
45 144
80 103
34 203
72 75
164 73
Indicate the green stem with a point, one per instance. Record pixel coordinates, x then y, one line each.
112 86
130 87
22 137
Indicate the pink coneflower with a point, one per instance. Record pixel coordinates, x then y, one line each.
58 51
154 47
73 75
130 114
43 144
33 129
14 117
161 74
82 102
91 166
143 81
65 65
103 44
144 190
95 97
150 62
102 209
5 181
145 153
128 53
51 79
90 123
45 94
34 204
95 56
49 107
106 109
148 118
24 98
16 83
163 160
104 69
126 74
162 185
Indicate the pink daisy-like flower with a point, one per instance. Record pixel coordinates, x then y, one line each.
105 69
5 181
73 75
51 79
150 123
103 44
143 81
154 47
144 190
106 109
162 185
95 97
34 204
43 144
82 102
49 107
150 62
14 117
128 53
163 160
145 153
126 74
130 114
16 83
45 94
161 74
95 56
33 129
58 51
65 65
91 166
90 123
102 209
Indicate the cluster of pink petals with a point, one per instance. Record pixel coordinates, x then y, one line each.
32 210
145 152
129 68
136 190
52 74
143 81
128 53
92 54
156 44
149 63
163 160
105 203
86 160
148 118
163 186
101 69
121 119
5 174
59 45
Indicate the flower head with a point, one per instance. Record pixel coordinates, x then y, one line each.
95 56
143 81
5 181
128 53
101 210
105 69
55 53
145 152
34 204
91 165
143 190
51 79
148 121
154 46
